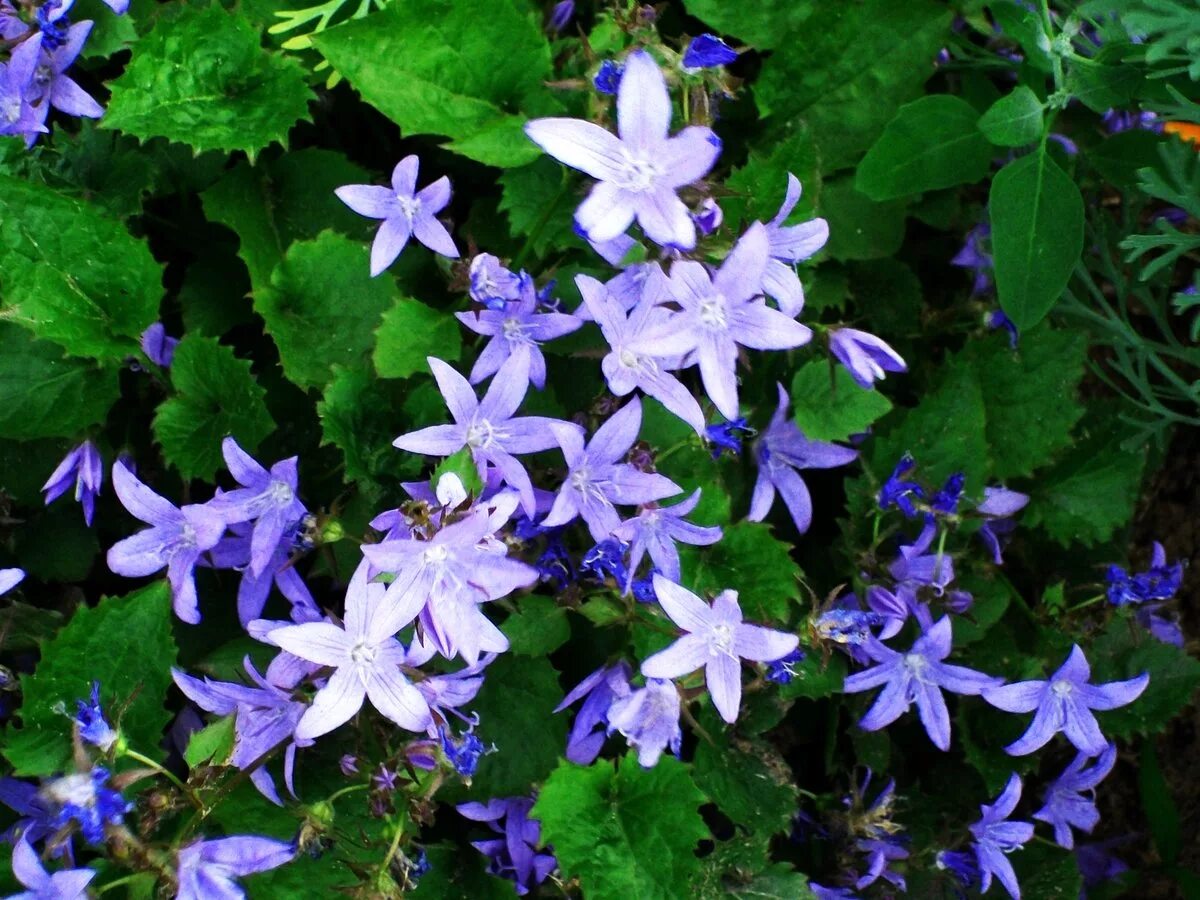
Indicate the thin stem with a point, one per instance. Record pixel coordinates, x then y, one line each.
146 761
349 790
127 879
1089 602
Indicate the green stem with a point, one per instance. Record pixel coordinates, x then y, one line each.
1089 602
127 879
349 790
146 761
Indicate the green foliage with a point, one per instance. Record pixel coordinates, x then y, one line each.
72 275
215 396
1014 120
860 228
828 405
749 560
624 831
213 742
538 627
358 416
1169 29
202 79
747 779
126 644
760 184
1048 872
764 25
1158 805
421 63
410 332
538 204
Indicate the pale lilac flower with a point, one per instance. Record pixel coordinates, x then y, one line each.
639 171
597 479
917 676
866 357
10 578
174 541
914 566
996 837
717 639
1065 703
515 855
405 211
780 451
560 16
492 285
726 310
82 469
709 216
788 245
517 331
12 26
233 552
640 345
998 507
159 346
599 692
655 529
648 719
51 84
65 884
1066 804
366 658
17 114
208 869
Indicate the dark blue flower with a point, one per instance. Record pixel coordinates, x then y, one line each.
93 727
463 753
708 51
560 16
900 493
946 500
608 79
604 561
997 319
84 799
728 436
782 671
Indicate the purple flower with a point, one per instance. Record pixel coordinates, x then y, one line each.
605 560
492 285
208 869
655 530
608 78
997 319
726 310
783 670
84 799
487 427
93 726
560 16
781 451
1065 703
10 578
514 856
52 86
1097 864
174 541
648 719
881 852
973 256
596 479
599 691
914 567
788 245
708 217
366 658
639 171
917 676
998 507
233 552
1118 120
995 837
847 626
266 498
708 51
405 213
159 346
83 469
17 114
12 26
1159 582
1066 805
728 436
866 357
66 884
516 332
640 346
899 492
716 638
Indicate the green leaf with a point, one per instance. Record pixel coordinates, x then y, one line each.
215 396
1048 872
628 832
766 24
446 68
411 331
57 545
1107 80
538 627
516 713
1158 805
44 394
126 644
778 882
323 307
748 779
459 873
203 79
538 204
830 406
750 560
816 677
72 275
359 415
1037 235
213 742
932 143
860 228
1014 120
760 184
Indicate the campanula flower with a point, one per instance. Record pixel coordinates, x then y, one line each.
1159 582
604 561
492 285
708 217
717 639
996 837
406 212
65 884
896 491
917 676
975 257
608 77
1117 120
866 357
10 578
84 799
208 869
234 552
727 436
656 529
1064 703
788 245
781 451
175 540
783 670
463 753
51 84
515 856
560 16
93 726
945 500
599 691
12 26
847 626
708 51
997 319
648 719
1070 800
159 346
17 114
998 507
639 171
82 469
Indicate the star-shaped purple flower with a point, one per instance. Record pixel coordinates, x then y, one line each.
716 639
599 691
1065 803
406 212
867 358
17 92
82 469
648 719
53 86
1065 703
515 855
655 530
65 884
996 837
788 245
780 451
208 869
639 171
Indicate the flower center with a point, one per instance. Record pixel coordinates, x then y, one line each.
280 493
72 790
10 108
362 654
410 206
638 174
480 434
713 312
514 331
720 640
1062 688
436 555
916 664
628 358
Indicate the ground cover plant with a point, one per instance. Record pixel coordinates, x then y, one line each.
599 450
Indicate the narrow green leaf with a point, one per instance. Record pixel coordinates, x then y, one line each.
1014 120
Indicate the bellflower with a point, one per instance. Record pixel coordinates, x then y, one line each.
917 676
516 855
516 332
159 346
605 560
234 552
599 691
726 311
1065 803
17 90
973 256
727 436
492 285
85 799
655 530
365 656
174 541
914 566
406 212
788 245
53 86
208 869
1065 703
708 51
266 498
83 469
708 217
560 16
487 427
12 26
1159 582
781 451
995 837
896 491
65 884
10 578
716 638
93 726
997 319
648 719
608 77
866 357
998 507
640 170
